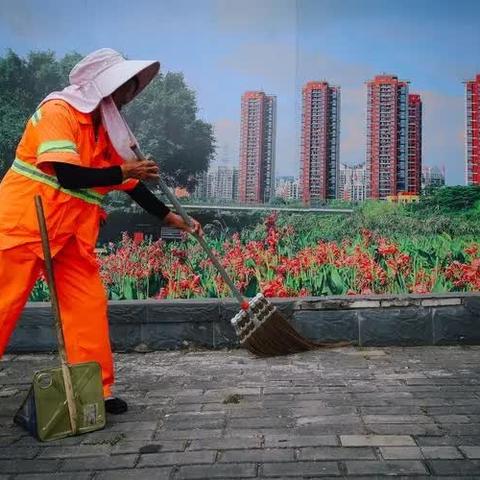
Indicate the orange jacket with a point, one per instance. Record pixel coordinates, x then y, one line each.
55 133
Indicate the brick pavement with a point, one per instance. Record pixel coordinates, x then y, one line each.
344 413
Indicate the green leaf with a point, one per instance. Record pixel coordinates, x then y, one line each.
252 288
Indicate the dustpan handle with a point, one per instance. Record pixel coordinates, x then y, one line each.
181 211
67 379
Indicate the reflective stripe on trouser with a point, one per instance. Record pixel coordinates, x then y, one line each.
82 299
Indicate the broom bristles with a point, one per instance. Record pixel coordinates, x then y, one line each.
275 336
266 332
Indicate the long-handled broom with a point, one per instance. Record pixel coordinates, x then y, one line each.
261 328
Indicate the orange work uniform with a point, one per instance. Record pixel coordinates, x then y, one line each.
58 133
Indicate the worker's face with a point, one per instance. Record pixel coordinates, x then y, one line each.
126 93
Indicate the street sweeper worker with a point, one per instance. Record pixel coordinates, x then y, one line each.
75 149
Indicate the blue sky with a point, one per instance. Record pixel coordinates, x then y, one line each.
225 47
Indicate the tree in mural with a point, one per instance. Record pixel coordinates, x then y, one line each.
164 117
23 84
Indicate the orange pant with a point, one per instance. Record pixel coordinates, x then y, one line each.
81 296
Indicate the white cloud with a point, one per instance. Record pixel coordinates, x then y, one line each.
22 20
270 66
267 17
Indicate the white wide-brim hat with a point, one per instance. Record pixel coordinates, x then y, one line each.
99 74
109 71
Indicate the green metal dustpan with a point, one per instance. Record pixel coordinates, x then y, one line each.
67 400
44 412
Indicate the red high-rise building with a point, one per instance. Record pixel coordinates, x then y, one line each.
256 181
414 169
387 127
319 162
473 131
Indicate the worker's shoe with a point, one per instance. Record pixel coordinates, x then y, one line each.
115 405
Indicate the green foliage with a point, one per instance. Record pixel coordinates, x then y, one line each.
277 201
24 82
164 117
392 220
450 199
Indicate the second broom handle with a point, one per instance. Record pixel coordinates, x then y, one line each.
181 211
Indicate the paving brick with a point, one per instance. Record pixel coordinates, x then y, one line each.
113 438
186 434
133 426
396 476
397 419
225 443
257 412
321 476
401 453
403 467
75 452
391 410
28 442
28 466
441 452
257 456
332 429
376 440
429 441
336 453
252 432
470 452
455 467
320 410
224 471
159 446
177 458
9 440
258 422
99 463
287 441
329 420
451 418
8 453
404 429
201 424
135 474
461 429
472 416
308 469
52 476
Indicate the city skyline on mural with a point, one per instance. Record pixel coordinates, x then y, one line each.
225 48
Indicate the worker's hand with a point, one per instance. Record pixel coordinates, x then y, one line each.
176 221
141 170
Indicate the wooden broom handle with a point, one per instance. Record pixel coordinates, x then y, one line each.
181 211
67 379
